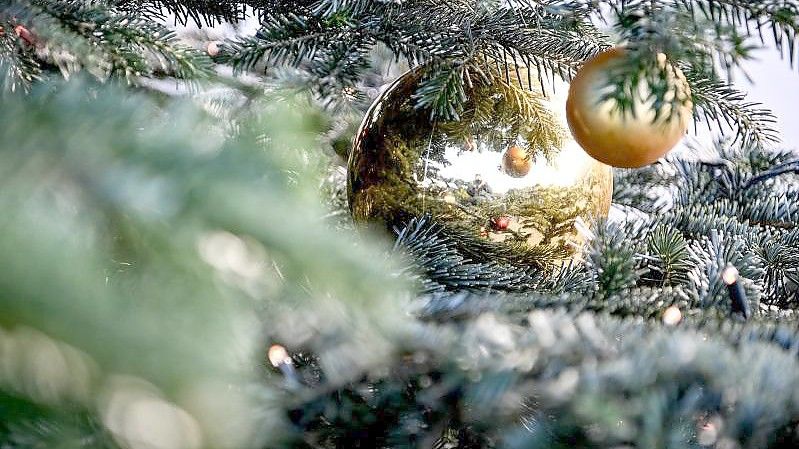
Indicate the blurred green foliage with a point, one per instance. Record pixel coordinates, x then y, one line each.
149 243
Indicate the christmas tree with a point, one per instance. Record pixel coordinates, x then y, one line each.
179 267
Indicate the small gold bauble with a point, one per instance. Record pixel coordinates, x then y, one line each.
516 162
624 139
505 178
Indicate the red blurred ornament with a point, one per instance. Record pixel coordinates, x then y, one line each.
25 34
500 223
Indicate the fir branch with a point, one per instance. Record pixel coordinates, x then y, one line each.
475 38
788 167
435 250
208 13
286 39
19 68
612 260
780 16
671 264
442 91
552 44
74 36
716 101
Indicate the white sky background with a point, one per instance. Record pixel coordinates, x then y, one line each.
776 85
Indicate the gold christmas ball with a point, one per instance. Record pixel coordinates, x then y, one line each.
516 162
505 181
625 139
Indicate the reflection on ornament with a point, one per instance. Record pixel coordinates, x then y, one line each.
672 316
516 162
212 49
500 223
25 34
625 139
505 178
278 355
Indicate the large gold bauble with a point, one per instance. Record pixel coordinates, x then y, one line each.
626 139
485 178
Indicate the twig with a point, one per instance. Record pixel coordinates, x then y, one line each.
787 167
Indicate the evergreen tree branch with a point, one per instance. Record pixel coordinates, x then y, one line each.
73 36
716 101
19 69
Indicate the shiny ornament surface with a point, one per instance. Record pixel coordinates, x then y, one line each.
506 179
516 162
625 139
